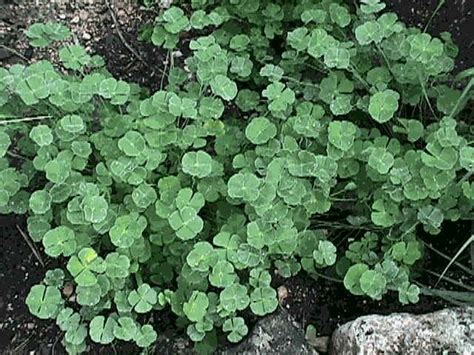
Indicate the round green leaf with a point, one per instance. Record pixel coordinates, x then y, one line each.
40 202
260 130
60 240
197 164
41 135
44 302
383 105
132 144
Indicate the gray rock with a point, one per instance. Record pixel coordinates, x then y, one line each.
275 334
173 345
450 330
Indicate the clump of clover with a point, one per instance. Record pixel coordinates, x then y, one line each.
294 126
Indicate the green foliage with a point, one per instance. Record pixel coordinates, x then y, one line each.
254 159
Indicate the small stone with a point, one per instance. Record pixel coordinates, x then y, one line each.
75 20
62 16
30 326
282 294
83 15
321 344
86 36
449 330
68 289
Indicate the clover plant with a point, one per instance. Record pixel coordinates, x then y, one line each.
292 125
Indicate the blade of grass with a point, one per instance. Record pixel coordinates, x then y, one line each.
461 266
31 245
440 5
463 247
454 282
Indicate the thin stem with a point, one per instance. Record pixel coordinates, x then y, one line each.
448 279
461 98
461 266
15 52
440 4
25 119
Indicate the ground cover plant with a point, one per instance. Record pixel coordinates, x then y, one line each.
292 124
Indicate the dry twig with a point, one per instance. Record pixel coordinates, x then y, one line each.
31 245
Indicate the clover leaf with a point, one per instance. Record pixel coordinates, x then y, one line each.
381 160
72 124
196 307
5 142
260 130
44 301
197 164
211 107
263 301
280 97
145 336
369 32
42 34
222 274
143 299
383 105
244 185
339 15
74 57
125 328
95 208
117 266
201 257
234 297
298 39
60 240
325 254
41 135
466 158
88 295
373 283
40 202
352 278
372 6
237 329
85 266
176 20
132 143
224 87
186 223
102 331
144 195
408 293
342 134
337 57
126 229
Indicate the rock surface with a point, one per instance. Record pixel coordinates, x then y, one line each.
450 330
275 334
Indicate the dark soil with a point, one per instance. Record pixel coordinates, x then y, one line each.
455 16
110 29
20 332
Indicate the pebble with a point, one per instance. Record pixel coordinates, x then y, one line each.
282 294
68 289
75 19
83 15
86 36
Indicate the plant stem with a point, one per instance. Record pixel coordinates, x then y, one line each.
25 119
